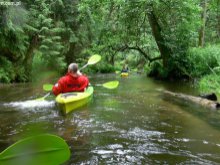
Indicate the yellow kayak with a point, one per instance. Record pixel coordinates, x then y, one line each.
124 74
68 102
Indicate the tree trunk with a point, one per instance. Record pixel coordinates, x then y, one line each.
202 29
198 100
112 59
157 33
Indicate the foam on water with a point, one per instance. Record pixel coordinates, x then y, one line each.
30 104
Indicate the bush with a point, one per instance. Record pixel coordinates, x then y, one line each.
177 68
41 66
7 73
157 70
204 60
210 83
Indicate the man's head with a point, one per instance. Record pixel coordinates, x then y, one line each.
73 68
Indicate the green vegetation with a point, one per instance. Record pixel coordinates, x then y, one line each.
205 66
210 83
166 39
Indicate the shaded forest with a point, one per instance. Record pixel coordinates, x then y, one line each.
170 39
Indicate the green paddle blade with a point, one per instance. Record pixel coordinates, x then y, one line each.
117 72
47 87
41 149
94 59
111 84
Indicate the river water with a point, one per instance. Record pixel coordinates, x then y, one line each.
134 124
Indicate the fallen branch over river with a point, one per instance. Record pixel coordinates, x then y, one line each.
198 100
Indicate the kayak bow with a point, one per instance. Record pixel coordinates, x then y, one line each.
124 74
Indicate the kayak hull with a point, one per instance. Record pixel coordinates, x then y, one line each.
68 102
124 74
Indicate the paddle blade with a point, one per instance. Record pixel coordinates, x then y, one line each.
47 87
40 99
94 59
42 149
111 84
117 72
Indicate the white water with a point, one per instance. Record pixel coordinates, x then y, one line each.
30 104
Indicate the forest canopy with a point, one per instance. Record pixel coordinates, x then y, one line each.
168 39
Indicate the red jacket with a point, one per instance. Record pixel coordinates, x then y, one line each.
68 83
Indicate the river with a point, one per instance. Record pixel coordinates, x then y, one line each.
133 124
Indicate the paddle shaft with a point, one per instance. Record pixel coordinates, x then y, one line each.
48 94
83 67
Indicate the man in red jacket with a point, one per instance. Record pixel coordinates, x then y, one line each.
73 81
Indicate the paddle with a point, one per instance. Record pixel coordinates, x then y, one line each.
92 60
111 84
117 72
47 87
41 149
108 85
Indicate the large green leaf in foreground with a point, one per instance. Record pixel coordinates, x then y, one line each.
43 149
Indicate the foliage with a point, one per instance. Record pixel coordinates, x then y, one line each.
119 26
158 71
51 34
178 68
12 43
42 72
210 83
213 22
6 70
197 62
206 64
203 60
180 24
103 67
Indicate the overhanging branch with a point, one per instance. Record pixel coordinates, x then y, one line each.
141 51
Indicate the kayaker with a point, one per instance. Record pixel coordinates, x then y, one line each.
73 81
125 69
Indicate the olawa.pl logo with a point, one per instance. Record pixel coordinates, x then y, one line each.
3 3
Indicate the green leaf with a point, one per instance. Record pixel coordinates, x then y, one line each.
31 28
44 47
41 149
44 29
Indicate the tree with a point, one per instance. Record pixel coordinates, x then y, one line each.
203 18
12 43
44 36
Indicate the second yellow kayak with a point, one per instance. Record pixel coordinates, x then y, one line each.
124 74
